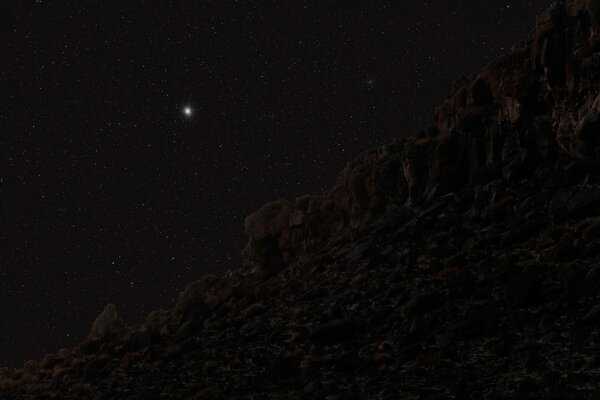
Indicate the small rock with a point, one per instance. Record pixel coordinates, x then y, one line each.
254 310
210 366
522 232
584 203
283 368
96 367
30 365
335 331
592 317
50 361
89 346
383 358
524 289
81 388
550 378
422 303
172 351
211 301
206 394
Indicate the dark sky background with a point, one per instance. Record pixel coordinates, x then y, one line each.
110 193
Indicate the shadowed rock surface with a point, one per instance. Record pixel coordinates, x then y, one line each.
460 263
107 323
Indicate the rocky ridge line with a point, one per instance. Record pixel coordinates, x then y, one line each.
532 106
461 263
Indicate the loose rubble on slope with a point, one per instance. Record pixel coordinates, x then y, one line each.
461 263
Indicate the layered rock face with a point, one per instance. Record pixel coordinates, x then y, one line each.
463 262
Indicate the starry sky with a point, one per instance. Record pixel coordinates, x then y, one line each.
137 135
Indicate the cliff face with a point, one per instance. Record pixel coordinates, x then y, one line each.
518 115
460 263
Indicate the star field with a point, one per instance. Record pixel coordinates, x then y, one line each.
137 137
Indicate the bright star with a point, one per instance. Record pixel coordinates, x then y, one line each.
188 111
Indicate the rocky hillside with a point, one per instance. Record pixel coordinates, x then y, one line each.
463 262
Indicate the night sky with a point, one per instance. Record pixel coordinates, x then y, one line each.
135 136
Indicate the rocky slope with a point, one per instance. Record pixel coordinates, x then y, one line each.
460 263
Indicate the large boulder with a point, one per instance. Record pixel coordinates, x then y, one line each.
106 324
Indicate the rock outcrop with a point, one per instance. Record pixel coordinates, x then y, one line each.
463 262
107 323
538 103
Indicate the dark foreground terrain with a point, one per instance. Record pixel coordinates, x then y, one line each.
460 263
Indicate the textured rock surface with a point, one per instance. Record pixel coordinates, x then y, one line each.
106 324
460 263
532 106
